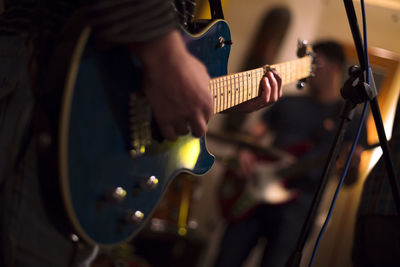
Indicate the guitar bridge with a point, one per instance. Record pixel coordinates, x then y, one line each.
139 118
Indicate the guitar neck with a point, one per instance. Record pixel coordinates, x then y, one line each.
233 89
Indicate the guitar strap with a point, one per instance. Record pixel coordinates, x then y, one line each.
216 9
185 10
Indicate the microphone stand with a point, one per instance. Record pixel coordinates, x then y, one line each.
354 91
394 183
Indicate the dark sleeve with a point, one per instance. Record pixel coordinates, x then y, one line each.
129 21
271 115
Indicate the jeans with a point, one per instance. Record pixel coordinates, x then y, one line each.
280 225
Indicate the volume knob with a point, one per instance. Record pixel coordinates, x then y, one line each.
117 194
134 217
150 183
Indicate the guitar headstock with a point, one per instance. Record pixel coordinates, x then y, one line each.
305 49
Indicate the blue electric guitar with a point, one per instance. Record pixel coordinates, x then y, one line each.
100 141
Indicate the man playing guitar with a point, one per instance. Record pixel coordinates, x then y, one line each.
300 122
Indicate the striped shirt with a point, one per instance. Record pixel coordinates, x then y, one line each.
377 195
114 21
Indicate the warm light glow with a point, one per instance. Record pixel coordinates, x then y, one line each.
182 231
189 153
275 193
391 4
137 152
370 158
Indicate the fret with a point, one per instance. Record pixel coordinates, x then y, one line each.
232 90
249 85
253 82
250 92
253 79
244 87
221 85
240 79
257 83
246 91
229 92
214 95
219 95
228 82
239 88
258 77
236 101
224 93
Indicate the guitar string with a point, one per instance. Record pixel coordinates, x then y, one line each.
224 86
227 83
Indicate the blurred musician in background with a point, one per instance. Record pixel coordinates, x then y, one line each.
304 126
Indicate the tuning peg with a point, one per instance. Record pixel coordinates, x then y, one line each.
222 42
301 48
354 71
300 84
116 195
134 218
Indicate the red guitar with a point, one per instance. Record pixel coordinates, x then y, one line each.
238 196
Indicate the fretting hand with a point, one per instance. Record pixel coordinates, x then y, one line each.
177 86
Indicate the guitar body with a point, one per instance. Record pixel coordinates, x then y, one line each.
238 197
104 154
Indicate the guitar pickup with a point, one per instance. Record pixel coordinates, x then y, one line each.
140 127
